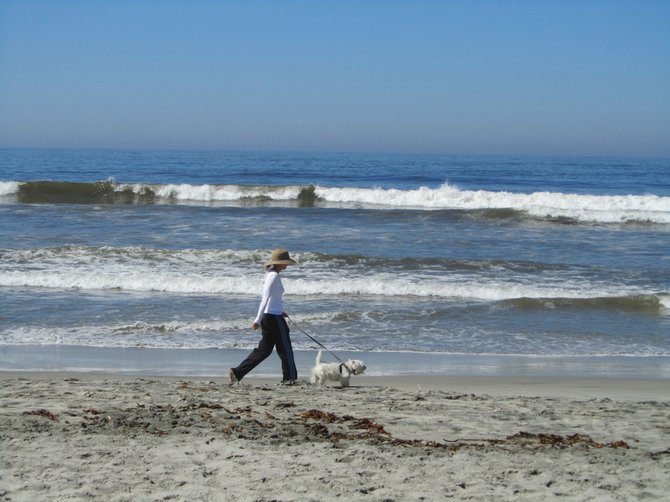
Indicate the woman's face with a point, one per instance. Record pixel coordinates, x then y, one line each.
280 268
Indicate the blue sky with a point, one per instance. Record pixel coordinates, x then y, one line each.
579 77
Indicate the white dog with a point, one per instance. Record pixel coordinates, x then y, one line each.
336 372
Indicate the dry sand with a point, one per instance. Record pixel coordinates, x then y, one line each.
104 437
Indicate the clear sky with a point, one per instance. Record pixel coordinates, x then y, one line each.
450 76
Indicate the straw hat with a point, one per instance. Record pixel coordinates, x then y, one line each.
280 257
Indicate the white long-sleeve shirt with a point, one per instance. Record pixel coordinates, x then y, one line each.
272 301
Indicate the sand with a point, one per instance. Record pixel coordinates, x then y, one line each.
109 437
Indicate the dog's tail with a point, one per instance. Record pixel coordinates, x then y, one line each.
318 357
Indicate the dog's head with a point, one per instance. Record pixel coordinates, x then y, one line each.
356 366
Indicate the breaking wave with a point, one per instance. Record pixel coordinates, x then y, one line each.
563 207
517 285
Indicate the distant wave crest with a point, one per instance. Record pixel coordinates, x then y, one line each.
552 206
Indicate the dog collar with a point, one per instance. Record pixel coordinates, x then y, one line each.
342 365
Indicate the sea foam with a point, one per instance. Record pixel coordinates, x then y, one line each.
230 272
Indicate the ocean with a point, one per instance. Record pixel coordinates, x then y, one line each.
140 260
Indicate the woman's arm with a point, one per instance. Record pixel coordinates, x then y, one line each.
270 278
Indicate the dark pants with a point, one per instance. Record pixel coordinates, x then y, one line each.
275 333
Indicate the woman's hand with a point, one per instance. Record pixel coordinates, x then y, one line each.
254 325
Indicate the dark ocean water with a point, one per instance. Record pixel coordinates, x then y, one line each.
534 256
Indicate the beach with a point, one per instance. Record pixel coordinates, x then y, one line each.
95 436
470 201
513 313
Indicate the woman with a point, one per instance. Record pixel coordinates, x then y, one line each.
270 319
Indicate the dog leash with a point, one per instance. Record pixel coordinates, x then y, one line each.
314 340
